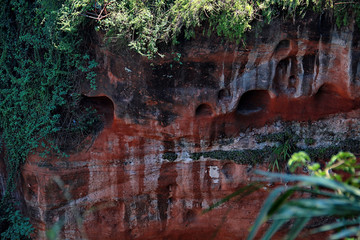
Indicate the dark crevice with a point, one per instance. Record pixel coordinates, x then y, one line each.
253 101
203 110
224 94
282 45
103 105
285 70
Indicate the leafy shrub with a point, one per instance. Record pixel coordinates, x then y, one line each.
40 73
330 195
13 225
145 25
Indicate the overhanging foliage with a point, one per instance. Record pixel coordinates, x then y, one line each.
144 25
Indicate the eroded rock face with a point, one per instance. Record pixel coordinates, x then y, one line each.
139 179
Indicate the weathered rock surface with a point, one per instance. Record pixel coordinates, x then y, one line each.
138 180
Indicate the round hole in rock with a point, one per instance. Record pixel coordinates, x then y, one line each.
328 90
331 98
331 92
103 105
223 94
282 45
253 101
203 110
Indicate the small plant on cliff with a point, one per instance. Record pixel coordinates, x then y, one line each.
331 191
286 146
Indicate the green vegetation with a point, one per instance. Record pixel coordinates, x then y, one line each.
44 59
286 145
146 25
40 73
321 153
17 227
170 156
331 191
309 141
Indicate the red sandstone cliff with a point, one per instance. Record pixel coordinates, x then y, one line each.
219 96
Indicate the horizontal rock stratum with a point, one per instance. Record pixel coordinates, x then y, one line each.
138 178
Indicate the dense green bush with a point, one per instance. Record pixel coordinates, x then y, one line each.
13 225
40 73
144 25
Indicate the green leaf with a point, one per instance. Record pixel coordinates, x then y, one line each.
348 232
275 226
298 159
342 223
262 217
315 181
299 224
